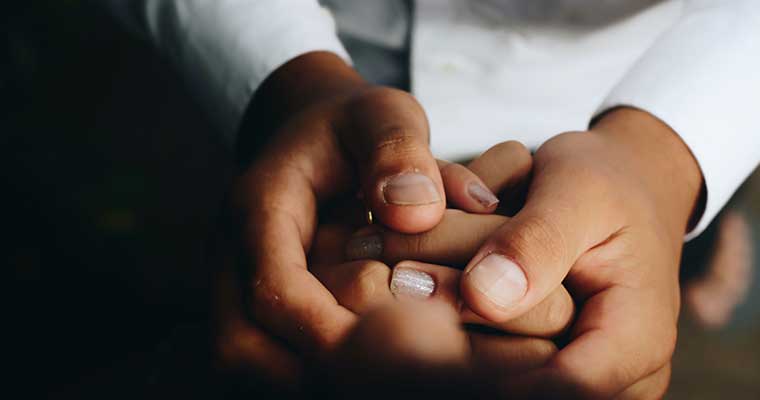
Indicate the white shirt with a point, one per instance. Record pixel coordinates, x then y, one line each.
487 71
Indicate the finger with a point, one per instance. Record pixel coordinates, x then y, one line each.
445 244
416 280
365 284
465 190
549 319
622 335
358 285
387 132
329 246
240 346
284 296
530 255
505 169
626 328
424 354
652 387
501 356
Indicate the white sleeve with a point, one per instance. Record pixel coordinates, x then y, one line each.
702 78
226 48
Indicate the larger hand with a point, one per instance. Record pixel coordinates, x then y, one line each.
329 124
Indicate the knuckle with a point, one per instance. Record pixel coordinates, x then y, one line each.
532 231
543 349
370 283
269 297
512 147
399 142
264 294
559 313
416 245
422 243
515 151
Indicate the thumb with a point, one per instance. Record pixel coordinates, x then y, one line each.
529 256
386 132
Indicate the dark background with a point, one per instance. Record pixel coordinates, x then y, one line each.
111 179
111 182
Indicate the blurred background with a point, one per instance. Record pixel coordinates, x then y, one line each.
111 182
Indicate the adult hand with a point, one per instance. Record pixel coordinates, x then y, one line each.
333 135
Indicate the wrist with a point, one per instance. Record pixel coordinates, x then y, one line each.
662 161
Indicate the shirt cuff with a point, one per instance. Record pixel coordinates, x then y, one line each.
227 48
701 79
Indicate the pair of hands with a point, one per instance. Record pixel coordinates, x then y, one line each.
605 213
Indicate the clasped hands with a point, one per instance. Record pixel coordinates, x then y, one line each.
592 255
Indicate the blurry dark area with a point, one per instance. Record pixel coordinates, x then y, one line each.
112 179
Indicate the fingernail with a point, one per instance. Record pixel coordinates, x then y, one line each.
363 247
410 282
410 189
500 279
481 194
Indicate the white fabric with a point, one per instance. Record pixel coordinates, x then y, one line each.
226 48
492 70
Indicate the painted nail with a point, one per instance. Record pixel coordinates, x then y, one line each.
410 189
500 279
363 247
482 195
408 282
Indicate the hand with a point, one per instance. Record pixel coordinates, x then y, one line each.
333 136
361 285
407 351
412 350
364 285
606 213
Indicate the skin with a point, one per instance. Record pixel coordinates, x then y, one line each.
327 125
332 136
610 226
605 213
361 286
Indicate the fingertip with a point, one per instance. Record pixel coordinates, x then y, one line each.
410 219
477 302
485 199
466 190
412 188
441 282
408 202
494 287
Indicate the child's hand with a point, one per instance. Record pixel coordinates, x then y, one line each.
605 213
